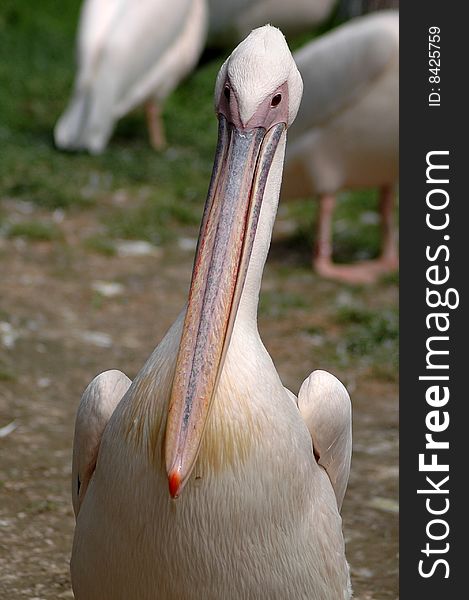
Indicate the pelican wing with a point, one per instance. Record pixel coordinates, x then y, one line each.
97 404
339 66
325 406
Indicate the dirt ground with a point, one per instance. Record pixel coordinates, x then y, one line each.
59 327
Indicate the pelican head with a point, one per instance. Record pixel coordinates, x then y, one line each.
257 95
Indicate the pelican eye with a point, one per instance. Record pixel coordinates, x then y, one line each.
227 92
276 100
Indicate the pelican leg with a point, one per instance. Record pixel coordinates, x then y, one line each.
155 125
389 257
322 258
365 271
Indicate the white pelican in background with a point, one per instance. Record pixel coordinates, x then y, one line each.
236 18
256 477
129 53
354 8
346 132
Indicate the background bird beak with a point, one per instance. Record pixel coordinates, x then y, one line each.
241 167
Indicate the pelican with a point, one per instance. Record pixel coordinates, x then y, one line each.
129 53
359 7
236 18
346 132
210 479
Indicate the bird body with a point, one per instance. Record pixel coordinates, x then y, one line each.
250 512
259 520
346 134
128 53
238 17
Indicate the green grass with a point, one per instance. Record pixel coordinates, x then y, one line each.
35 231
370 336
100 244
41 506
278 303
6 375
367 329
155 221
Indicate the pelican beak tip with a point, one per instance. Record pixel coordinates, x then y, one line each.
174 481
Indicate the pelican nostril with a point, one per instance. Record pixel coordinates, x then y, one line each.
276 100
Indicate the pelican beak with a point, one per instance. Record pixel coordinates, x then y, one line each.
242 163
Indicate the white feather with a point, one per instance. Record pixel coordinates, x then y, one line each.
325 406
94 411
127 53
240 16
346 131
